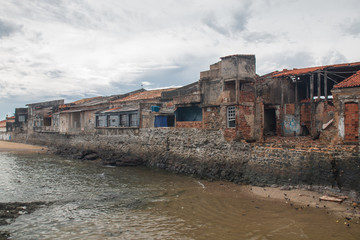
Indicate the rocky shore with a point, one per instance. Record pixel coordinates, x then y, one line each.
10 211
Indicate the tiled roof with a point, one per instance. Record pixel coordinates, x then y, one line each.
146 95
352 81
3 123
301 71
85 100
9 119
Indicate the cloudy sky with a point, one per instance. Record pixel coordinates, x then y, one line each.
72 49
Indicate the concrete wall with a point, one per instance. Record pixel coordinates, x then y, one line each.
207 154
5 136
238 67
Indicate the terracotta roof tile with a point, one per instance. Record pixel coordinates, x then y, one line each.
85 100
146 95
3 123
352 81
301 71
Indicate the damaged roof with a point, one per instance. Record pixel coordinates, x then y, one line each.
146 95
352 81
118 110
302 71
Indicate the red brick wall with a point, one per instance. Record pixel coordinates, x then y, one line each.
244 126
195 124
351 122
230 134
290 109
246 96
305 113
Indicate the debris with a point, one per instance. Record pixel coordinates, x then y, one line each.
332 199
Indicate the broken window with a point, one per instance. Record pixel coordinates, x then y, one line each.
124 120
188 114
231 117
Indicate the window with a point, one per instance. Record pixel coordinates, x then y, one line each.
21 118
231 117
134 120
47 121
188 114
124 120
114 121
101 121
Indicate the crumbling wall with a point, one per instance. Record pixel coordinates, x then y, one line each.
212 119
189 124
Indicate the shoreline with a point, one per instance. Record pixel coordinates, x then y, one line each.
14 147
299 197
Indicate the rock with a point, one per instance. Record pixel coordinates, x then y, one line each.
285 188
353 195
91 156
274 186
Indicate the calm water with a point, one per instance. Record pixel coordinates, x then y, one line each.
93 202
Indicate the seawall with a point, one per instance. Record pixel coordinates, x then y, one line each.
207 154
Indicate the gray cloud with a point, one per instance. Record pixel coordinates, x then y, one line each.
212 22
54 74
352 27
285 60
333 57
259 37
231 22
8 28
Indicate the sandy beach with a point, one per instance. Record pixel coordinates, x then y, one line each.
300 199
6 146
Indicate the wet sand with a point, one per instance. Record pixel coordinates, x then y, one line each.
300 199
6 146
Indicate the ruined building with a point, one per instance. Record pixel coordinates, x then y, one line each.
321 102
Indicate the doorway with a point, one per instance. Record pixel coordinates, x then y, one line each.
269 122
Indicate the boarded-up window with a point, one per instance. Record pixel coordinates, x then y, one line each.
134 122
124 120
101 121
114 121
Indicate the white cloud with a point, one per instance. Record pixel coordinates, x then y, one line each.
75 49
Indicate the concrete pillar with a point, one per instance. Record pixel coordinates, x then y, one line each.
312 87
325 86
237 91
319 84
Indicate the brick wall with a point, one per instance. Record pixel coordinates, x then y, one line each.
290 109
305 115
246 96
246 121
189 124
351 122
212 118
